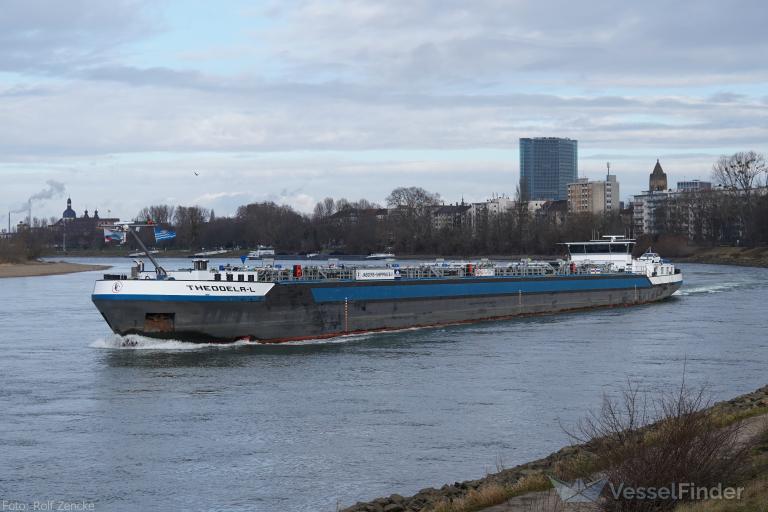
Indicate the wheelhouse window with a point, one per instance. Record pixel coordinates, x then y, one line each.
620 248
598 248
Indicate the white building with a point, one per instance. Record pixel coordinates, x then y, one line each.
645 207
494 206
585 196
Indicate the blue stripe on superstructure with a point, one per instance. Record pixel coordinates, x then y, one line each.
464 289
180 298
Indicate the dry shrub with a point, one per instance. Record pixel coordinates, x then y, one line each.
476 499
20 248
530 483
672 438
493 494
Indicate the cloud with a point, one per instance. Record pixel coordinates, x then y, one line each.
442 43
341 98
56 37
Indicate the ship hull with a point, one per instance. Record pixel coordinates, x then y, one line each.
306 310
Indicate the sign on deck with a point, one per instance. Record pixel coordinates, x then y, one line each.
374 274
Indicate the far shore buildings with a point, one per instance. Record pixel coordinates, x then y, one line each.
693 186
547 166
84 232
646 204
651 208
451 216
585 196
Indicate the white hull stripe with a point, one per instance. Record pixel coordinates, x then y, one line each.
180 291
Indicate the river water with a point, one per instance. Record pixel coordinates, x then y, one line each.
168 425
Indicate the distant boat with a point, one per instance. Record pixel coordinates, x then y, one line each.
312 255
380 256
206 254
139 254
262 251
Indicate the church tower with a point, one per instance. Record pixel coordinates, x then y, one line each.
658 179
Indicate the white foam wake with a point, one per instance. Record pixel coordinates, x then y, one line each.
712 288
137 342
342 338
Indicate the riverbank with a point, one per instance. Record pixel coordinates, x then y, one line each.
503 490
45 268
742 256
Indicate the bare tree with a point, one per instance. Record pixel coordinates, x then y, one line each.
159 214
411 224
412 198
324 209
189 221
740 171
740 174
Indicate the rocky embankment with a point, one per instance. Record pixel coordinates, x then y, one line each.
754 257
740 407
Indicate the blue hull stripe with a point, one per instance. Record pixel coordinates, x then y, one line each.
420 291
180 298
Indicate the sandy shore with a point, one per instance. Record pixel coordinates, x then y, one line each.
45 268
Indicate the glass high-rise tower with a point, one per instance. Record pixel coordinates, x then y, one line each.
547 166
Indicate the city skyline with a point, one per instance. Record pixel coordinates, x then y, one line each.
134 103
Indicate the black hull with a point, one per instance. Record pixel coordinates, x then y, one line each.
291 312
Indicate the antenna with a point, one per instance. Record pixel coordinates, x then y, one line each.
608 165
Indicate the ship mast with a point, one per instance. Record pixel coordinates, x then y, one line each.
132 228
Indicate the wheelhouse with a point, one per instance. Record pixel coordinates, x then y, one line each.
613 249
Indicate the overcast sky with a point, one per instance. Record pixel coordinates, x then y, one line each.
123 101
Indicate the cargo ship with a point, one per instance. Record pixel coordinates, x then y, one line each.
275 304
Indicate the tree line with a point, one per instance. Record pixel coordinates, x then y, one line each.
733 212
404 225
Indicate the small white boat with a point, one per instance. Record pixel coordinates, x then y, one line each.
380 256
206 254
261 252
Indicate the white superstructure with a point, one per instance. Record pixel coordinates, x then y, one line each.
616 251
612 250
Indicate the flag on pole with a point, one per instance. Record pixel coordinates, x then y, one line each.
111 235
164 234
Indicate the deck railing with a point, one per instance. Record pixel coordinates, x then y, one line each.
345 272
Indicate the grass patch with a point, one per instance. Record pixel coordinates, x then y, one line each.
724 419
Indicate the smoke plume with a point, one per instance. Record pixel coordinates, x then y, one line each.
54 189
